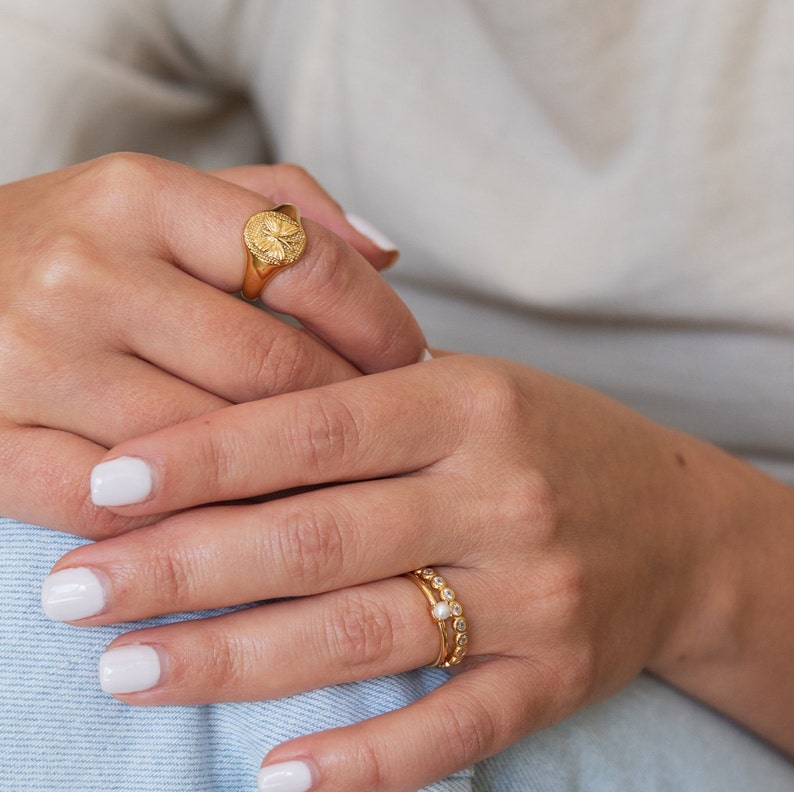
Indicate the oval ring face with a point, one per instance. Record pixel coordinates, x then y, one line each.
274 239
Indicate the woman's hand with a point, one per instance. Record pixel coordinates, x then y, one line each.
583 541
114 321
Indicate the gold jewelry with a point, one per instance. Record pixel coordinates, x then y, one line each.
274 240
447 612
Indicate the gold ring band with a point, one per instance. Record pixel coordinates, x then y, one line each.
447 612
274 240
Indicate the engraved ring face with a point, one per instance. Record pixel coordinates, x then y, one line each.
274 239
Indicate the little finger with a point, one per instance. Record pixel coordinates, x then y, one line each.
472 716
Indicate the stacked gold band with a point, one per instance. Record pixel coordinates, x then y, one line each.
447 612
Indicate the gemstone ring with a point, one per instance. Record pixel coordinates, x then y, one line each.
447 612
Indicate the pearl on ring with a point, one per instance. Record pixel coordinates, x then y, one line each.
443 607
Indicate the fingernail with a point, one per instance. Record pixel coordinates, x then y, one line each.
426 355
285 777
72 594
378 238
120 482
129 669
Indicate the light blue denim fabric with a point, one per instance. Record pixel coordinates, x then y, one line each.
60 733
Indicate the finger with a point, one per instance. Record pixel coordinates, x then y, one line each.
307 544
288 183
371 427
223 345
43 478
336 294
341 636
119 397
224 348
289 647
195 221
467 719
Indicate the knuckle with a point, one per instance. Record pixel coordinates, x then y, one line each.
168 578
394 339
326 432
562 590
360 631
496 399
470 729
283 365
492 406
527 501
544 506
113 176
117 186
367 763
221 661
562 601
221 456
16 343
70 269
311 547
328 274
290 174
579 674
571 676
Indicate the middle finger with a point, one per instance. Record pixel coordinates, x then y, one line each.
305 544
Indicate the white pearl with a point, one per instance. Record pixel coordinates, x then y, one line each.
441 611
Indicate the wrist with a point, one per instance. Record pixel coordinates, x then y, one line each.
729 643
705 626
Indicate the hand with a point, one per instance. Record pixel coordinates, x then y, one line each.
581 539
113 320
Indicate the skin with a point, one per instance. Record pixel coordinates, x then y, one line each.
102 351
618 544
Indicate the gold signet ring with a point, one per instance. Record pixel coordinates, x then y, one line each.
274 240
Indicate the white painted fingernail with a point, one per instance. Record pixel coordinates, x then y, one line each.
129 669
377 237
285 777
426 356
120 482
72 594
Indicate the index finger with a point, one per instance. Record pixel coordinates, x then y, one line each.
353 430
195 221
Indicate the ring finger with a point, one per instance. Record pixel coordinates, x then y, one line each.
283 648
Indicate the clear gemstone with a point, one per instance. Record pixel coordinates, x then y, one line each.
448 594
427 572
441 611
439 582
456 608
462 639
460 625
